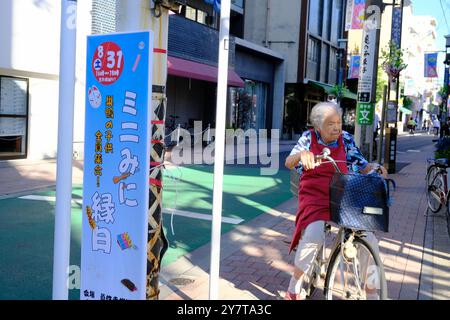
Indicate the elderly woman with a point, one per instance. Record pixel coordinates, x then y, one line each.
313 210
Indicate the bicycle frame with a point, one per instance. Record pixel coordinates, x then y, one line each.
344 239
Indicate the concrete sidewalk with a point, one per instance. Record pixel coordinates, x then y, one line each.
255 264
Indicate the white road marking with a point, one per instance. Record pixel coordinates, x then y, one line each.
181 213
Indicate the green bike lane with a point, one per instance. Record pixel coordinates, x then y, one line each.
27 226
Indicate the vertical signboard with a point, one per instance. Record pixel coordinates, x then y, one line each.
116 166
396 31
365 108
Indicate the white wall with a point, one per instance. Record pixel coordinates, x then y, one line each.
31 40
30 37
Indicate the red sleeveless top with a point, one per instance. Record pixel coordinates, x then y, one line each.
313 192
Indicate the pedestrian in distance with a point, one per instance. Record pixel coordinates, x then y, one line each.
411 125
436 126
313 191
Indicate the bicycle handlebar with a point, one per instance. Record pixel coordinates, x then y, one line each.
326 155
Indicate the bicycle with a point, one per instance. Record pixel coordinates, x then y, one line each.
354 270
437 186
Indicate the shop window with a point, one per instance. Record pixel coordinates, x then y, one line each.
196 15
249 106
13 118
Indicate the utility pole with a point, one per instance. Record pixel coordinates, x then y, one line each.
390 155
61 256
368 77
136 15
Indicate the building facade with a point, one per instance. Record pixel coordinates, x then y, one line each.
29 72
307 34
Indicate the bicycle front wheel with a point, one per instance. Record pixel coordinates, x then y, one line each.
435 189
357 277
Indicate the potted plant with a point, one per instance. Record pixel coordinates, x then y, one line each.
392 61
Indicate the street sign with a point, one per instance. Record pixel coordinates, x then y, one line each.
365 113
116 167
391 112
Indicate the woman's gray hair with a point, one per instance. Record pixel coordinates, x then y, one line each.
319 111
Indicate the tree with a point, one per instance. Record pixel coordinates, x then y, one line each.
381 82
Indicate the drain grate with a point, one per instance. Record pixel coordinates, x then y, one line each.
181 281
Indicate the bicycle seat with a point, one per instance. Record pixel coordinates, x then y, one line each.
443 163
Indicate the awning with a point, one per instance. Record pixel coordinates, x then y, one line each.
190 69
405 111
329 89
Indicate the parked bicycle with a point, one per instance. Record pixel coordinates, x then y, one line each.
437 186
354 270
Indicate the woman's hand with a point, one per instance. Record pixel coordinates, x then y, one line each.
305 157
375 166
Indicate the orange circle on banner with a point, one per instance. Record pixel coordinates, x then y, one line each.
107 63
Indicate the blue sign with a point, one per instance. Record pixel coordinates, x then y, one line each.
116 166
396 31
431 65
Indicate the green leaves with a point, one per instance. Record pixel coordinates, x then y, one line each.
392 60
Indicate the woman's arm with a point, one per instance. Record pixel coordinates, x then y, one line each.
305 157
300 153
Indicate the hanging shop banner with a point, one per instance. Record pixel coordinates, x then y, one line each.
355 64
365 113
354 15
396 30
431 65
116 166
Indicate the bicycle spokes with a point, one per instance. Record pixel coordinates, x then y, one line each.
357 278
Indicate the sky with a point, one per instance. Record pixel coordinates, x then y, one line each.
433 8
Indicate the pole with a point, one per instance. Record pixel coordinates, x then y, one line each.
61 256
368 77
383 121
134 15
219 148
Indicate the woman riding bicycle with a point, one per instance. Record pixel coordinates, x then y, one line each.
313 210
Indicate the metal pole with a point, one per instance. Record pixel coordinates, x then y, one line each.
219 148
383 120
364 132
61 256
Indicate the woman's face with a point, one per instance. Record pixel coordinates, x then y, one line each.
331 127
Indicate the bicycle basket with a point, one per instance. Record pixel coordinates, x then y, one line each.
359 202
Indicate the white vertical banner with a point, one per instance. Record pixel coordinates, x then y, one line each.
116 166
367 62
349 15
224 44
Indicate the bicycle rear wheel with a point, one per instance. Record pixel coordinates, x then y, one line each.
435 189
359 278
